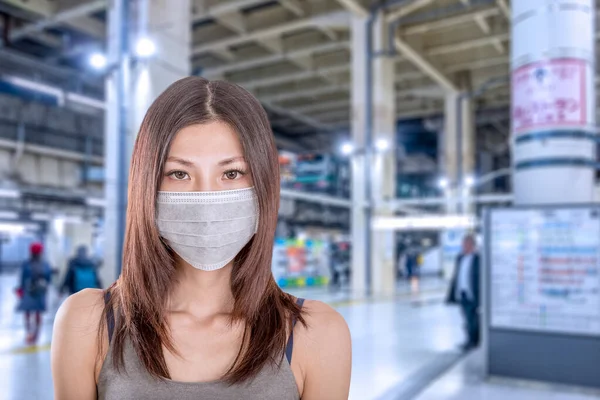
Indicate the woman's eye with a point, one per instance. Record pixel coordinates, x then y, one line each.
231 175
179 175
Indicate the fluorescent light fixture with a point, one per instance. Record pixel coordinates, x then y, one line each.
347 149
10 193
98 61
95 202
469 181
12 228
382 144
145 47
36 86
9 215
430 222
41 217
86 101
443 183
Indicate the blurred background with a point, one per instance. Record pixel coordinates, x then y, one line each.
432 152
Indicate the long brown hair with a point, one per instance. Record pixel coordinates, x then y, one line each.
139 296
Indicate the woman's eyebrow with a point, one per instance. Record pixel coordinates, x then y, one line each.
231 160
181 161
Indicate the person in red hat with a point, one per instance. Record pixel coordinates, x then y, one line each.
35 279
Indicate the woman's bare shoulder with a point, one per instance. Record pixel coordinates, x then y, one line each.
323 322
75 345
325 352
81 310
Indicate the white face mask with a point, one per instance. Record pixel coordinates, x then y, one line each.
207 229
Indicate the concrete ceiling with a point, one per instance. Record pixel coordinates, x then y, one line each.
295 55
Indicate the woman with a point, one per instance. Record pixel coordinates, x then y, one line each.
35 278
196 313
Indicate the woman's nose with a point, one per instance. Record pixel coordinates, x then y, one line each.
204 182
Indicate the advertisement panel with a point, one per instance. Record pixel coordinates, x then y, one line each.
549 94
545 270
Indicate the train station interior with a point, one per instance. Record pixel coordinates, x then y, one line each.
438 174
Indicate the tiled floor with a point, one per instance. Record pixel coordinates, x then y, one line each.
466 381
396 341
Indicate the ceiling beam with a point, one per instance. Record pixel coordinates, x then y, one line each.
275 58
407 9
467 44
448 22
355 8
503 6
223 9
273 31
293 6
278 79
71 17
302 118
310 93
424 65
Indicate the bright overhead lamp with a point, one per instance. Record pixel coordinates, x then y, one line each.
98 61
9 215
35 86
9 193
434 222
145 47
469 181
382 144
15 229
443 183
347 149
95 202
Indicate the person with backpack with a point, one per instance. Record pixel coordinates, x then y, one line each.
35 279
81 274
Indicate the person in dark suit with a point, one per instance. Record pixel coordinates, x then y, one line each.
464 289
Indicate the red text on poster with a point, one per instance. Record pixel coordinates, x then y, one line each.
549 93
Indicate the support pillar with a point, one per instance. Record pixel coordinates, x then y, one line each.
359 181
450 144
553 101
383 179
130 89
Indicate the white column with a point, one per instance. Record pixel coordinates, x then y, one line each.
450 143
553 101
170 31
383 177
358 223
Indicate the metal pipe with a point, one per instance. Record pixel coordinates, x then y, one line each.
490 83
122 100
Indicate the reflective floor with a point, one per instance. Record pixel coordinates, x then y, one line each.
404 347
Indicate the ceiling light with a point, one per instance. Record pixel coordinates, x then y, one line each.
443 183
145 48
382 145
347 149
469 181
98 61
10 193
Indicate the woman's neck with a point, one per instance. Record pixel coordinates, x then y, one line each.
202 293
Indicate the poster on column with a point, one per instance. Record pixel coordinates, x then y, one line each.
544 267
549 94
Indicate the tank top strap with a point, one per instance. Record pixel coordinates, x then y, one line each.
290 344
110 316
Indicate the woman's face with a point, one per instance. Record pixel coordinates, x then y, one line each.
205 158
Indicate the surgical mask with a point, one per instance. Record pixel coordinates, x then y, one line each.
207 229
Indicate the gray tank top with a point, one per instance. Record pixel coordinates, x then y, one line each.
134 382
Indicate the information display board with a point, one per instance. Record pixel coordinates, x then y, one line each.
545 270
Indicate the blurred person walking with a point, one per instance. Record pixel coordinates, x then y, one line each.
82 273
36 275
464 289
196 312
